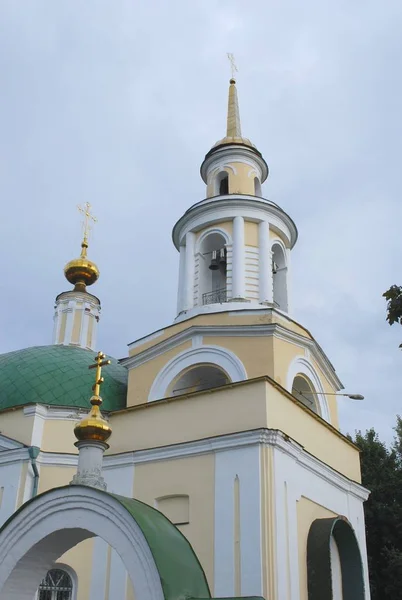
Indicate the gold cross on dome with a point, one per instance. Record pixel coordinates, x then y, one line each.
88 216
99 363
233 66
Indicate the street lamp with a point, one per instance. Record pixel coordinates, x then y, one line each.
351 396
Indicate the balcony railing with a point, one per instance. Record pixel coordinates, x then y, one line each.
215 297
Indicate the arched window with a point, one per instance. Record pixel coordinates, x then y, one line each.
57 585
303 390
212 270
257 187
279 275
198 378
222 184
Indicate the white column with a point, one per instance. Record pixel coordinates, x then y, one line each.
180 289
189 272
90 460
69 322
265 263
238 263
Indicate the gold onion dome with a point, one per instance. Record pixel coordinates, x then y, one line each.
81 271
93 427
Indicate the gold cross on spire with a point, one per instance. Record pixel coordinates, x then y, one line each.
88 216
100 362
233 66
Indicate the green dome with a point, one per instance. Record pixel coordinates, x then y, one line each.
58 376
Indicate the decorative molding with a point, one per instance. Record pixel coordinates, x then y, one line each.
14 455
224 208
269 329
7 443
233 153
221 357
265 437
210 231
303 366
146 339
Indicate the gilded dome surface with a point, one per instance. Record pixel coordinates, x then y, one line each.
58 376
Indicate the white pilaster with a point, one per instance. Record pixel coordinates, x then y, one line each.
180 291
90 459
238 263
265 263
189 272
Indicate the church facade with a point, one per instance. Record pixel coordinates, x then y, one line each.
225 421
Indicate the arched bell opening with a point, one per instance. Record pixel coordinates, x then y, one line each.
197 378
222 184
279 276
257 187
304 391
212 273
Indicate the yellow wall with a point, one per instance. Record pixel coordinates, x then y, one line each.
79 558
57 476
312 432
226 225
307 512
255 353
194 477
141 378
16 426
75 337
251 234
58 435
63 327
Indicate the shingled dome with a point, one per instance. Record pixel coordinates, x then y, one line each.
58 376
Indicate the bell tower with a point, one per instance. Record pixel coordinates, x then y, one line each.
235 244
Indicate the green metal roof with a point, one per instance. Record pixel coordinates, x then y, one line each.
180 571
58 376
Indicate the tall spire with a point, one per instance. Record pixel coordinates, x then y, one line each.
233 128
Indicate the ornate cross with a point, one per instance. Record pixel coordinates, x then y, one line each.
232 64
100 362
88 216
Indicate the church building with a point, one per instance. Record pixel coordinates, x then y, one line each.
225 421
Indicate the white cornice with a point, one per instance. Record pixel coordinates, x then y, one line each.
13 455
220 208
233 153
264 437
7 443
270 329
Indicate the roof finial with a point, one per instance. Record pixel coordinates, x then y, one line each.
81 271
233 129
88 216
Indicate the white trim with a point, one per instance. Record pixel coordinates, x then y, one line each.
264 264
233 153
225 208
188 291
216 355
7 443
265 437
180 286
219 230
302 365
49 526
271 329
14 455
238 259
146 339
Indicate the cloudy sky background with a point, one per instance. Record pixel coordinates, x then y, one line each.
116 103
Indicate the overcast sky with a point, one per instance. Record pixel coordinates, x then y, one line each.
117 102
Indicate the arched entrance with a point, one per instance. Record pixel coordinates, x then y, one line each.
159 560
334 564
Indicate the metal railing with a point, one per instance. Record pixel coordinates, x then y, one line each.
215 297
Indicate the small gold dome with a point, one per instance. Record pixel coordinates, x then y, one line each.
93 426
81 271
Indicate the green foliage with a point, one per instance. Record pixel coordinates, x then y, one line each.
382 475
394 305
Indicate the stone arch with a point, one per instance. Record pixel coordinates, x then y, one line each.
161 567
215 355
208 232
301 366
319 562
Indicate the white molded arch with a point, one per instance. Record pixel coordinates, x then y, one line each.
210 231
302 366
221 357
280 275
43 530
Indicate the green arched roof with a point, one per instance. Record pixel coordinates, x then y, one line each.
58 376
